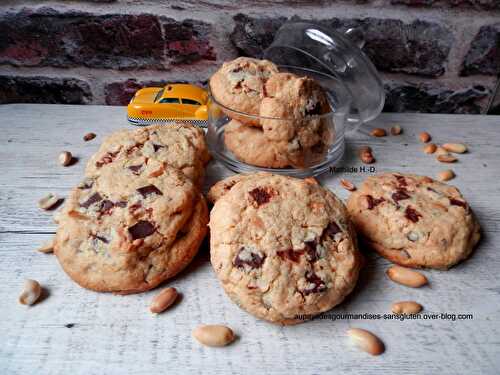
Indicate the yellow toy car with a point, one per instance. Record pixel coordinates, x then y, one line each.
163 105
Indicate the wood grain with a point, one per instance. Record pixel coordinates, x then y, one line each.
75 331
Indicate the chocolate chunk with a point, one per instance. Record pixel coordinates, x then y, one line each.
290 254
141 229
106 206
318 148
314 110
331 230
456 202
401 180
318 284
157 147
96 197
248 257
369 200
133 148
134 207
261 195
148 190
373 202
135 169
100 238
400 195
310 249
412 214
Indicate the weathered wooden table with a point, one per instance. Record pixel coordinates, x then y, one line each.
75 331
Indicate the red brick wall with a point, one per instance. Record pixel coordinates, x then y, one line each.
435 55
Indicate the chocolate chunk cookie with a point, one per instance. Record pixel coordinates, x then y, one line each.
127 232
299 100
250 145
302 95
292 134
180 146
413 220
283 247
240 85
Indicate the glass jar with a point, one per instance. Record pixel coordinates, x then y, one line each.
352 85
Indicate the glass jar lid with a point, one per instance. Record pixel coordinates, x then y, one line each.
309 45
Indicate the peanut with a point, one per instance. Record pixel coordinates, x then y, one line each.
348 185
378 132
89 136
446 175
367 158
424 137
30 293
396 130
407 277
406 307
47 247
457 148
214 335
365 149
441 151
366 341
163 300
65 158
49 201
446 158
366 155
430 148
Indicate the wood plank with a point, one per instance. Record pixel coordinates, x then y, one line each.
117 334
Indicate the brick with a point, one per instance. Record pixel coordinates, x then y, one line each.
251 36
45 37
433 98
187 41
120 93
483 56
419 48
477 4
39 89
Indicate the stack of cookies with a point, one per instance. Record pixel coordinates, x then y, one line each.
138 217
274 120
